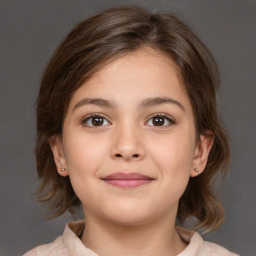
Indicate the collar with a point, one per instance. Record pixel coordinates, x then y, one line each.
73 231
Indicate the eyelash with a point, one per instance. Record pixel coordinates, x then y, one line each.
87 118
164 116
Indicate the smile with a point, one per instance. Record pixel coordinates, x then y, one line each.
127 180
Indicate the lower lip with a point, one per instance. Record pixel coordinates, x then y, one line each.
128 183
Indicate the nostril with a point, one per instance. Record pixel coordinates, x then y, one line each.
120 155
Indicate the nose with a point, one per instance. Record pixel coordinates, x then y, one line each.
127 144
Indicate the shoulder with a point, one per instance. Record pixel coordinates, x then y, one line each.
67 244
211 249
64 244
198 247
55 248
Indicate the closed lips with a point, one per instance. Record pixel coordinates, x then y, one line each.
127 180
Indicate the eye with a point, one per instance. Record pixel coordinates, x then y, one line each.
95 120
160 120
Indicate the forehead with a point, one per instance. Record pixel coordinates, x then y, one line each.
143 73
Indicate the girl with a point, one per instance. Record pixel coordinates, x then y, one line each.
127 127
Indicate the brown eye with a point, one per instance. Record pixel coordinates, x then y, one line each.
95 120
158 121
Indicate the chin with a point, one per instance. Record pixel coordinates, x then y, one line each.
129 216
129 221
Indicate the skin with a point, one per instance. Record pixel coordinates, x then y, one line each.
140 220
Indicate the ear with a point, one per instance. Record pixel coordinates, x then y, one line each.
58 154
201 153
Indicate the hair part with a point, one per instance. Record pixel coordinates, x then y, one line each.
94 43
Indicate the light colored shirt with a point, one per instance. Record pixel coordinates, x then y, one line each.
69 244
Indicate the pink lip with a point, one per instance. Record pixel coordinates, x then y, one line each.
127 180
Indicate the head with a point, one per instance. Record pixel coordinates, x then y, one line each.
103 39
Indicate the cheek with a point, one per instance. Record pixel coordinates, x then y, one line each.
83 157
173 156
83 153
174 151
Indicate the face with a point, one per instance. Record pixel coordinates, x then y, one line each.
129 140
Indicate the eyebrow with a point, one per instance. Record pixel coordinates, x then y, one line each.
95 101
149 102
160 100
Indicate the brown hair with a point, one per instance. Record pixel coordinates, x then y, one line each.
95 42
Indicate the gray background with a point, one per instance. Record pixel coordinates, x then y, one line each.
29 32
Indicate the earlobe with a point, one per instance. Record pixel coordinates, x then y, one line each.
58 154
201 154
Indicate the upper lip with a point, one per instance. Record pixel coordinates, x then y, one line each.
127 176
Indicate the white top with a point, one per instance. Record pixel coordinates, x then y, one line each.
69 244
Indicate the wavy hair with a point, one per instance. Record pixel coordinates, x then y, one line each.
109 35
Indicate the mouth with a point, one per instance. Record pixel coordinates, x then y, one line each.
127 180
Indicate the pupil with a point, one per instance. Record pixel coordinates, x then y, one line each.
97 121
158 121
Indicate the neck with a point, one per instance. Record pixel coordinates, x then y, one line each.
153 238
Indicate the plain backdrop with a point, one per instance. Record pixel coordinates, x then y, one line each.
30 30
